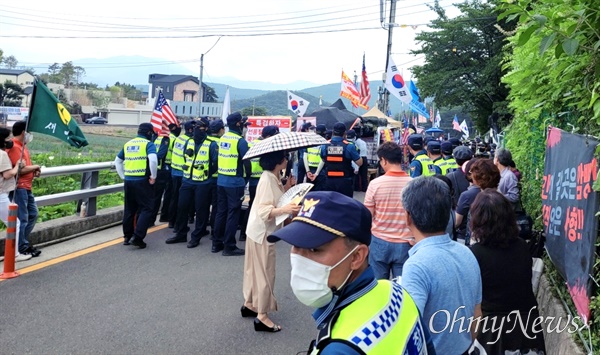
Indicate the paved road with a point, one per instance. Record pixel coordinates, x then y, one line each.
163 299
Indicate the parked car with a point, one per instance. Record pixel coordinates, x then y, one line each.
96 120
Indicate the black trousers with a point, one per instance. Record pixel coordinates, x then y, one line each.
229 206
176 185
197 197
163 187
341 185
244 224
137 214
361 181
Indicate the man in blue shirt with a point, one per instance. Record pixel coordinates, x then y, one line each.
356 313
338 157
442 276
231 183
136 164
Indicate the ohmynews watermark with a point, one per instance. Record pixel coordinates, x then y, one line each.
500 324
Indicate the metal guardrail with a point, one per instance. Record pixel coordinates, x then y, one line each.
89 186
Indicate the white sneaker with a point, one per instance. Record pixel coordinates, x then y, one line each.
23 257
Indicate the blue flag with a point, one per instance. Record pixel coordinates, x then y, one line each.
416 105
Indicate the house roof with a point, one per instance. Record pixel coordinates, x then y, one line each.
13 71
172 79
28 90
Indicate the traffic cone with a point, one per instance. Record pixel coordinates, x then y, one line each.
9 248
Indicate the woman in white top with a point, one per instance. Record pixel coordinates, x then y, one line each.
259 260
7 184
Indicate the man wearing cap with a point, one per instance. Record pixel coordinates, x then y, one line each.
174 132
163 178
421 164
338 157
361 180
459 181
442 276
434 152
216 131
136 163
177 168
449 163
355 313
257 171
231 183
201 156
315 165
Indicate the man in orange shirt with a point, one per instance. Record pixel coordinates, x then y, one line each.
390 235
22 195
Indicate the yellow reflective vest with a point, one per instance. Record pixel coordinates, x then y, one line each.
136 157
449 165
198 166
172 139
228 154
383 321
178 160
257 170
313 156
427 168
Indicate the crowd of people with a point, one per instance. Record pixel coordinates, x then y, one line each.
436 240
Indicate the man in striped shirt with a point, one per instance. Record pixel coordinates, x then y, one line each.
390 243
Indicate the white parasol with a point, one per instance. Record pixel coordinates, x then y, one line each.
285 141
294 194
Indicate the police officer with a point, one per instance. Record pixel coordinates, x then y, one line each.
231 183
163 178
421 164
338 157
177 162
257 171
137 164
174 131
312 160
301 168
355 313
216 131
449 164
201 155
434 151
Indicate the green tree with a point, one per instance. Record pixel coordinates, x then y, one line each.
99 98
10 94
1 56
210 95
463 62
54 68
253 111
10 62
67 72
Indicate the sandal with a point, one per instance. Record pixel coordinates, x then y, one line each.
262 327
247 312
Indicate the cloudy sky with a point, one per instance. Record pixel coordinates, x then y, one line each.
278 41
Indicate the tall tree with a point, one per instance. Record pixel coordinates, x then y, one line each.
10 62
210 95
10 94
1 56
79 73
67 72
463 58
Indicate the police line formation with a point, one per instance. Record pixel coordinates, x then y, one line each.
432 262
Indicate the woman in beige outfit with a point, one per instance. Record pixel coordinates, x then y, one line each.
259 261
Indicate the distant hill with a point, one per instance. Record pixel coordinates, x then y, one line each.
275 102
234 92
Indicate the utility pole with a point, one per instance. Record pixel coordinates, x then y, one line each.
384 103
200 91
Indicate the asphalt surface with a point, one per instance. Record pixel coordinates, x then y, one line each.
165 299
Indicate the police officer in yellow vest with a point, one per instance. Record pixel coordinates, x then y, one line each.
449 165
421 164
314 164
201 155
163 185
267 132
136 163
174 131
177 162
233 176
338 157
216 130
356 313
434 151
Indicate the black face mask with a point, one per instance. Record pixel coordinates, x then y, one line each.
8 144
176 131
199 135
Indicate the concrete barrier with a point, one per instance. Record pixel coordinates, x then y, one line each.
550 306
65 228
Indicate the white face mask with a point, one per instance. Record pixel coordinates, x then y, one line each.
310 280
28 137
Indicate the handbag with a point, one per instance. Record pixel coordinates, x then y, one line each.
524 221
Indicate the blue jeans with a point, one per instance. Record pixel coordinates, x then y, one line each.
385 257
27 214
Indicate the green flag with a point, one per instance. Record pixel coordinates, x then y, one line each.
48 116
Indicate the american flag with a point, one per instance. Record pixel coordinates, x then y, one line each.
365 92
162 116
456 125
